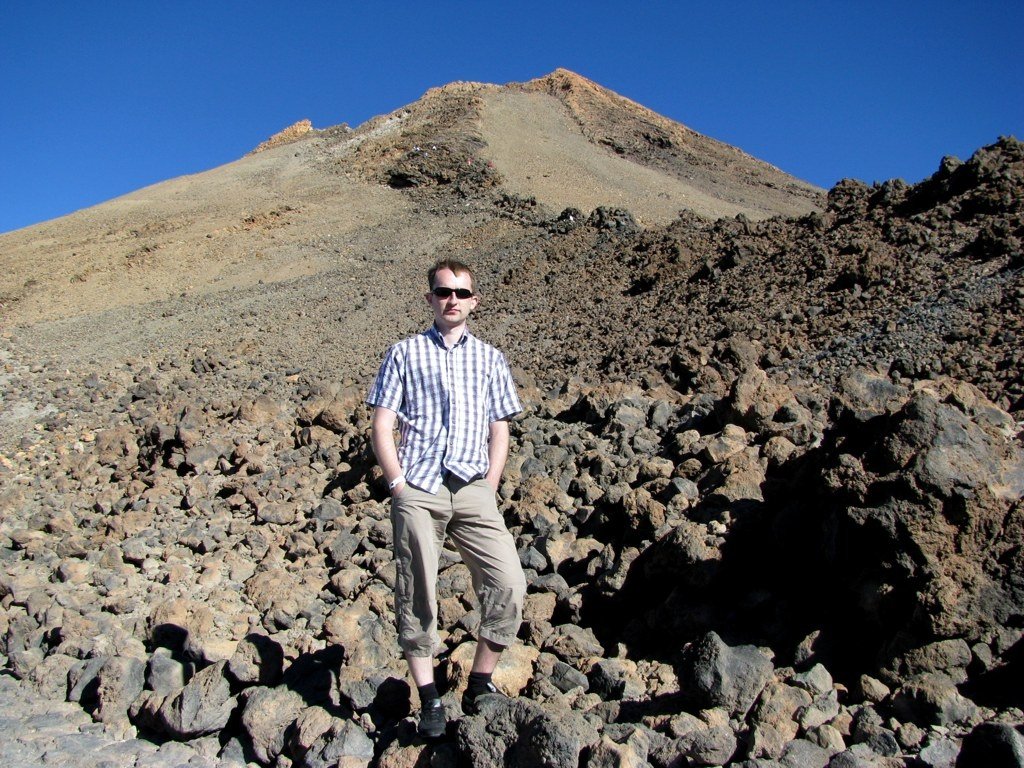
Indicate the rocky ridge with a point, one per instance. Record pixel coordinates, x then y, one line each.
767 489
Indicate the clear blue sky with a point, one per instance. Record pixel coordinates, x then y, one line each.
102 97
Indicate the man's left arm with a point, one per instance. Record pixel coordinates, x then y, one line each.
497 452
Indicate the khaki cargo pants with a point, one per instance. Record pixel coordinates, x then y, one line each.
468 514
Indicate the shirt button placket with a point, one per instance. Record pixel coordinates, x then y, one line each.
451 401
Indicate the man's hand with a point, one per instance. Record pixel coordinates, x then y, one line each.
382 438
497 452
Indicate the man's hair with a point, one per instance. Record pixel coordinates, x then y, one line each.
455 266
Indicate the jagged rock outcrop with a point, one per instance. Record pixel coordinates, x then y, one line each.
292 133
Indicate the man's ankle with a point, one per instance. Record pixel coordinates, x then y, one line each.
479 682
428 692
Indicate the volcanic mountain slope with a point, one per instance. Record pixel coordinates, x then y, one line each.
349 205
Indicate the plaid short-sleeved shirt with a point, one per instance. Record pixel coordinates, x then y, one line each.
446 400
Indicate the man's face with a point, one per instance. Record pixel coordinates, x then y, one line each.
451 312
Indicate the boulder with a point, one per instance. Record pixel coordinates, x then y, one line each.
267 717
166 674
342 745
203 706
613 679
937 478
517 733
710 745
262 410
511 676
773 718
257 660
118 683
863 395
573 644
714 674
608 753
932 698
369 641
802 753
993 745
942 752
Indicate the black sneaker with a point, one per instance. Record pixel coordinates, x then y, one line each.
470 700
433 721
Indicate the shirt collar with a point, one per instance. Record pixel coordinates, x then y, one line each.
434 334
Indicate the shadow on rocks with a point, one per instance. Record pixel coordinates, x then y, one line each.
312 676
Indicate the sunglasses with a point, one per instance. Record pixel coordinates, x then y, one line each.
444 293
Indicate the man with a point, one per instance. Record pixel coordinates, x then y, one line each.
452 395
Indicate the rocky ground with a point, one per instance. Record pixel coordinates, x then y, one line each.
767 487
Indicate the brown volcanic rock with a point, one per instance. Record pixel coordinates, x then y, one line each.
873 281
935 493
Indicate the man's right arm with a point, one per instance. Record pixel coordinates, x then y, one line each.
382 438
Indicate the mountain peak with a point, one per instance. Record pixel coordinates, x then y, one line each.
557 142
568 142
